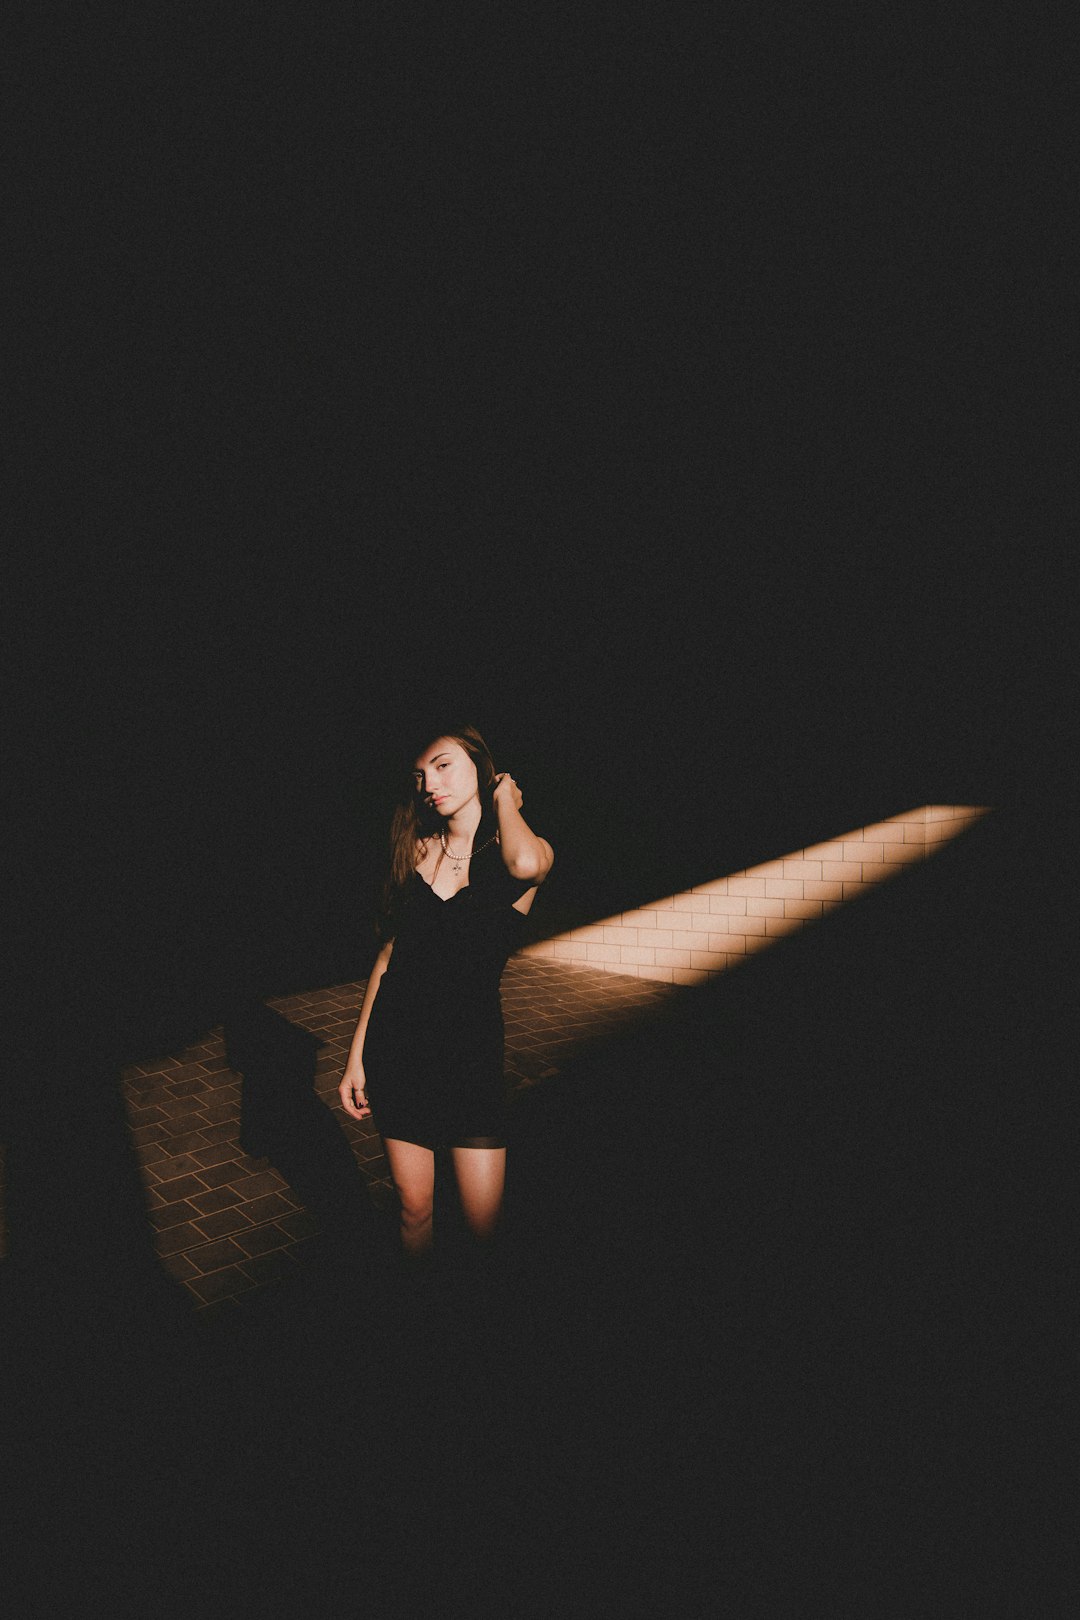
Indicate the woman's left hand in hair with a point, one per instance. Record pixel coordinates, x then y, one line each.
506 788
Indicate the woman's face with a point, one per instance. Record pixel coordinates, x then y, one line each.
445 777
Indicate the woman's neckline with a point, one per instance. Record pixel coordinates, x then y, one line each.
444 899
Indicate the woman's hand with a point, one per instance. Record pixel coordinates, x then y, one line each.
352 1092
506 788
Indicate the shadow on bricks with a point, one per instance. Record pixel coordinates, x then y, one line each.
282 1119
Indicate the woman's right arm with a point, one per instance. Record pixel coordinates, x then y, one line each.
352 1089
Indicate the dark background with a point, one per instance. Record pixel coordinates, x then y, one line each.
679 395
675 396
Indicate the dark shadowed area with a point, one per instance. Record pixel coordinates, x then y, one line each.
676 397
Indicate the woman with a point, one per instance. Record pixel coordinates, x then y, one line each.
427 1056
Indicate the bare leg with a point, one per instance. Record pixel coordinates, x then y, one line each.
413 1170
481 1176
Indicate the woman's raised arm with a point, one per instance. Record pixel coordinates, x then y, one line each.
524 854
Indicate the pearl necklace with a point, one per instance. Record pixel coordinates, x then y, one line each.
460 859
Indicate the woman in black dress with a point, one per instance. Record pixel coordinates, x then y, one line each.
427 1056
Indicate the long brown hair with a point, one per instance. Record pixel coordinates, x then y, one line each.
414 822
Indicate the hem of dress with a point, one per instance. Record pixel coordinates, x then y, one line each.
494 1139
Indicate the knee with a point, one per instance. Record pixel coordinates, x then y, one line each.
415 1213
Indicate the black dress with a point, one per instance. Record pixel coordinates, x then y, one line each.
433 1051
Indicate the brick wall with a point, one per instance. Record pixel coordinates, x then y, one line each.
690 937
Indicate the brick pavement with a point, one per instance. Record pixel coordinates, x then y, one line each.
226 1223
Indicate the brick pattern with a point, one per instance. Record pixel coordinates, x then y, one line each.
692 937
556 1011
225 1223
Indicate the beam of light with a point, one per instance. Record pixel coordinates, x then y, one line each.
718 924
680 939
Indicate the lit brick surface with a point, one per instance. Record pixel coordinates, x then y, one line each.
225 1223
711 927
